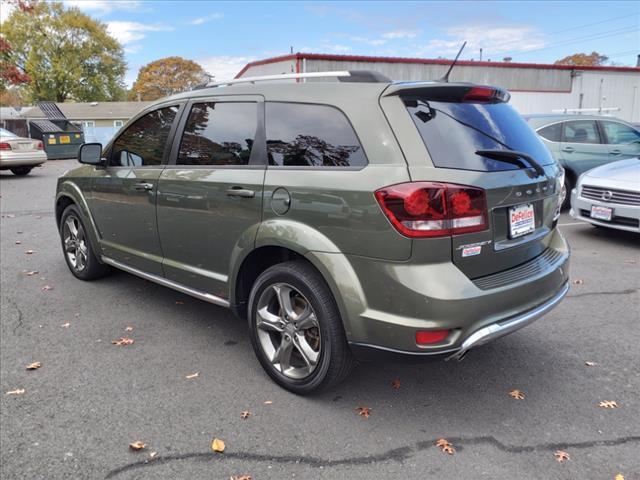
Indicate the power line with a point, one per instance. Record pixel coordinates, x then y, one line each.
611 33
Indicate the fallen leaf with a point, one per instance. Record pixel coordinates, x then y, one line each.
364 411
608 404
247 477
578 281
217 445
245 414
445 446
77 315
630 262
619 476
268 402
46 288
65 325
18 242
32 272
395 384
517 394
153 454
590 364
10 215
128 329
29 252
138 445
34 366
123 341
561 456
179 302
193 375
17 391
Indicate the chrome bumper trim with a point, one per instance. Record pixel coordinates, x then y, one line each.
207 297
498 329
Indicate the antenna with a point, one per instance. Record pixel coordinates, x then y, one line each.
445 79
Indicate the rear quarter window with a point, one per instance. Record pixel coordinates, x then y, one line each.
553 133
452 132
305 135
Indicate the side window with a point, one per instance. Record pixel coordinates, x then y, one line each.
581 131
551 132
219 134
620 134
311 136
144 141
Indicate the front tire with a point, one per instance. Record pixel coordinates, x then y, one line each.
296 329
21 171
77 249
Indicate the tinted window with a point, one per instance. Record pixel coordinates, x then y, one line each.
311 136
453 132
144 141
584 131
552 133
218 134
620 134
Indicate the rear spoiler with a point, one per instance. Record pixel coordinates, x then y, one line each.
448 92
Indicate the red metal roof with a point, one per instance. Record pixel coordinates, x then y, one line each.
428 61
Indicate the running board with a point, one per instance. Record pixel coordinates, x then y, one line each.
207 297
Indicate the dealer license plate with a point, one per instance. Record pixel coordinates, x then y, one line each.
601 213
522 220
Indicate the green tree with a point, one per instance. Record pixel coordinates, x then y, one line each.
65 54
166 76
583 59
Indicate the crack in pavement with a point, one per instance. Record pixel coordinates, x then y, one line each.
616 292
397 454
20 315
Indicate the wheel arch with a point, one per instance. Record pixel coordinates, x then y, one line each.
70 194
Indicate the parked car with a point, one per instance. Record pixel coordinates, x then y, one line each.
347 220
583 142
609 196
18 154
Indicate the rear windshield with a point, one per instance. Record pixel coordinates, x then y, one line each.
453 132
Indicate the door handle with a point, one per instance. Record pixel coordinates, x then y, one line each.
568 149
143 186
615 152
240 192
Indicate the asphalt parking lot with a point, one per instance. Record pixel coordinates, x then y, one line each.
90 399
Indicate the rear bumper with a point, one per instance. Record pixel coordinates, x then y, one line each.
21 159
479 337
394 300
625 217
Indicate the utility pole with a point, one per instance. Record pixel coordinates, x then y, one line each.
481 54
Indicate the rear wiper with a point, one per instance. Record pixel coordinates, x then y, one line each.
514 158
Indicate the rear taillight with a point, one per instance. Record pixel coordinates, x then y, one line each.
5 146
485 95
428 209
40 146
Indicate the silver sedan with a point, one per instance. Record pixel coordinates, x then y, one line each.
20 154
609 196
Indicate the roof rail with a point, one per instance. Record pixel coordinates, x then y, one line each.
357 76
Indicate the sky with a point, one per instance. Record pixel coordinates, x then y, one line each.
224 36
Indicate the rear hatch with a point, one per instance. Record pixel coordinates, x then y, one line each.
474 138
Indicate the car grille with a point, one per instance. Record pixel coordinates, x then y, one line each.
542 262
610 195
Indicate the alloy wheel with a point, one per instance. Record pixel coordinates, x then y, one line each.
288 331
75 245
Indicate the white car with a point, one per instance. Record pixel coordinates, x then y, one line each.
20 154
609 196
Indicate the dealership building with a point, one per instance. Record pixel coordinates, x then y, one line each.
535 88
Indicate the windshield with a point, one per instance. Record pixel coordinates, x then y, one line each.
6 133
453 132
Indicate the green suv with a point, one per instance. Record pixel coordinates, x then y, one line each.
345 220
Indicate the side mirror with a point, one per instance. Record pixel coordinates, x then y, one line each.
91 154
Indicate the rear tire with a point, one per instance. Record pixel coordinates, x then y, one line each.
567 194
302 346
21 171
77 249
